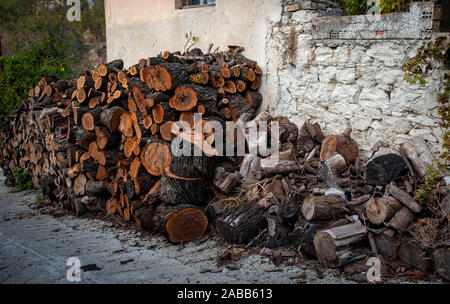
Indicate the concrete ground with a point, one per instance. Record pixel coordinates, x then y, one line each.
37 239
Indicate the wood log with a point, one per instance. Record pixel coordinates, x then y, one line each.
182 190
225 181
381 209
180 223
404 198
324 207
193 166
384 166
156 158
331 169
243 223
401 219
254 98
110 118
387 242
419 155
342 144
412 254
332 245
250 163
113 66
441 259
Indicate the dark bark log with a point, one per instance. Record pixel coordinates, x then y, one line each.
384 166
178 190
412 254
241 224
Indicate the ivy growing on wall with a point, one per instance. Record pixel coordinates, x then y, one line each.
430 56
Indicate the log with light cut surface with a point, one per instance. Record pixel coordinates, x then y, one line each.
342 144
332 245
381 209
180 223
156 158
324 207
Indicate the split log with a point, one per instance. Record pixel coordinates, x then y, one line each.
403 197
308 135
324 207
250 163
419 155
384 166
381 209
288 131
242 223
401 219
332 245
342 144
225 181
331 169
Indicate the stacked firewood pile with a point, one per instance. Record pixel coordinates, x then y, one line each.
321 198
103 141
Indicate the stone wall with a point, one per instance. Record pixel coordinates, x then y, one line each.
318 65
346 71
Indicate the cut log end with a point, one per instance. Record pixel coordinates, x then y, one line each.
156 158
186 225
185 99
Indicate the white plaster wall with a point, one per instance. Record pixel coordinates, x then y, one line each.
142 28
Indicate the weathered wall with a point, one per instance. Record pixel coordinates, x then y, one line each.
338 71
346 71
142 28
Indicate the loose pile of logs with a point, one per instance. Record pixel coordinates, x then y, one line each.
103 141
321 198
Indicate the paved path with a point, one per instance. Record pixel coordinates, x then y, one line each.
36 239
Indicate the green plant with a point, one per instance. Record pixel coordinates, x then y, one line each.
429 56
23 180
38 40
40 197
23 71
389 6
356 7
425 190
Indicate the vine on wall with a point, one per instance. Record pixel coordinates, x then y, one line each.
431 56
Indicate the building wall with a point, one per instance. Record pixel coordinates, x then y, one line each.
338 71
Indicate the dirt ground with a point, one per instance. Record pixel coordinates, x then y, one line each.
37 239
